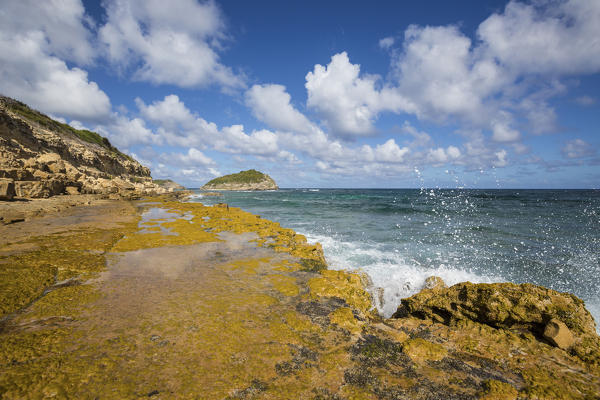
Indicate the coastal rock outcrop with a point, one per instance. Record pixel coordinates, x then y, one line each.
7 189
168 184
41 157
559 318
244 180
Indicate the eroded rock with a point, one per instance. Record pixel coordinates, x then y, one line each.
560 318
7 189
557 333
44 157
501 305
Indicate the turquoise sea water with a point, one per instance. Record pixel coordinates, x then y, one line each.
400 237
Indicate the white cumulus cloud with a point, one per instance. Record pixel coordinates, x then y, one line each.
271 104
349 103
555 37
172 42
35 39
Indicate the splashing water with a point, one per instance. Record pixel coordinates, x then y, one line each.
400 237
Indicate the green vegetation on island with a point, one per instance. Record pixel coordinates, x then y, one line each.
244 180
249 176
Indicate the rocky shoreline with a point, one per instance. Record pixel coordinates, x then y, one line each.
41 158
164 299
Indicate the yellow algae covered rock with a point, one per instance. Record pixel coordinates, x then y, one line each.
344 285
344 318
71 254
421 350
21 282
352 392
207 221
179 231
501 305
242 317
497 390
519 307
248 265
286 285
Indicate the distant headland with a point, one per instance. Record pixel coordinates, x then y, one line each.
243 180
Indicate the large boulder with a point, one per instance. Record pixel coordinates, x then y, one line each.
501 305
7 189
557 333
560 319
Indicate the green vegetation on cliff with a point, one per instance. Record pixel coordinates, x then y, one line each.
43 120
249 176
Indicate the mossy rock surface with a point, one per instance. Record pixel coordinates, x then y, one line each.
501 305
218 303
522 308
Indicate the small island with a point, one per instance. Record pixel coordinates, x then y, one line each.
243 180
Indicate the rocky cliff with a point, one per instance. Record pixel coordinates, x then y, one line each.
41 157
244 180
168 184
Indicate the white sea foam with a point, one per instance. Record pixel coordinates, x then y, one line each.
392 276
593 306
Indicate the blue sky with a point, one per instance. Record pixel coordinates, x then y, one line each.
322 93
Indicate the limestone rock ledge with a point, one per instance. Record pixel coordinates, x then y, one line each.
41 157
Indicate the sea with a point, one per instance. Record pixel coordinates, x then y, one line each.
399 237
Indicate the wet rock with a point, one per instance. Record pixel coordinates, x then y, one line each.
420 350
501 305
557 333
434 283
344 318
497 390
7 189
342 284
523 308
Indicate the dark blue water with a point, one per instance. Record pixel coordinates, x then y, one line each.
400 237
